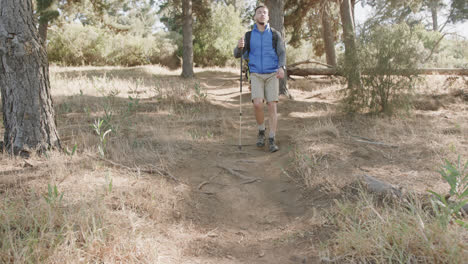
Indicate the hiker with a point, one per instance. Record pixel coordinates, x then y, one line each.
265 51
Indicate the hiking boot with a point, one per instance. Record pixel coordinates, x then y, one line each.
273 146
261 138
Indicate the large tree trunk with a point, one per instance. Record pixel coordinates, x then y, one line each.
351 60
433 5
327 35
187 63
276 13
43 27
28 115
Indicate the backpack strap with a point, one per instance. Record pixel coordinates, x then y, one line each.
275 35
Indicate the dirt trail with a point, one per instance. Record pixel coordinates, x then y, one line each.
250 211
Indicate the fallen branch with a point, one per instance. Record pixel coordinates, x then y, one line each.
387 190
307 62
243 177
246 161
206 182
250 181
154 170
333 71
202 184
375 143
379 187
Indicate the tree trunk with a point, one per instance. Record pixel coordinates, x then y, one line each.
433 5
43 33
351 60
28 115
327 35
276 13
187 63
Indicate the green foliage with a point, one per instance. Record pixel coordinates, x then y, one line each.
47 10
459 11
199 94
213 40
75 44
53 197
389 55
447 209
48 15
109 183
72 152
98 128
441 51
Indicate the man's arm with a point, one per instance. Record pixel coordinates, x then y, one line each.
281 51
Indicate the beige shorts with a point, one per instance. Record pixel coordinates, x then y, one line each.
265 86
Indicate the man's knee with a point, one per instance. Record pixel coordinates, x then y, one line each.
272 104
258 103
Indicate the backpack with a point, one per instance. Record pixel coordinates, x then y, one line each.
275 36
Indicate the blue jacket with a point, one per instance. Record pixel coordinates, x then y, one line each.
262 56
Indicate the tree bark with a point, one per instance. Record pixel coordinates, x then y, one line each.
433 5
327 35
276 13
187 31
351 60
43 27
28 114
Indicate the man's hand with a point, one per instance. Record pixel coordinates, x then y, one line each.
241 43
280 73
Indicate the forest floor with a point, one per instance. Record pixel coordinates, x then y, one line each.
173 187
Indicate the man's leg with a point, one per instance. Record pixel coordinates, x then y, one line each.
258 109
258 96
273 120
271 94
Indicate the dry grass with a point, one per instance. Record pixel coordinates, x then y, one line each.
115 214
108 214
369 232
406 150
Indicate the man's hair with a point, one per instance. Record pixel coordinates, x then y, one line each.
260 6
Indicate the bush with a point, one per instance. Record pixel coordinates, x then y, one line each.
389 55
128 50
75 44
442 51
214 42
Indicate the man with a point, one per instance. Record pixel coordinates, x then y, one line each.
267 61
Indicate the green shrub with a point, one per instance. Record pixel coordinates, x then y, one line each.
442 51
214 42
128 50
447 209
388 56
75 44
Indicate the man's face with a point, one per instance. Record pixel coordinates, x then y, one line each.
261 16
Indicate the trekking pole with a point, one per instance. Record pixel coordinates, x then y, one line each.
240 104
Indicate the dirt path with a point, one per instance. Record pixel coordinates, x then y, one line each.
249 210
